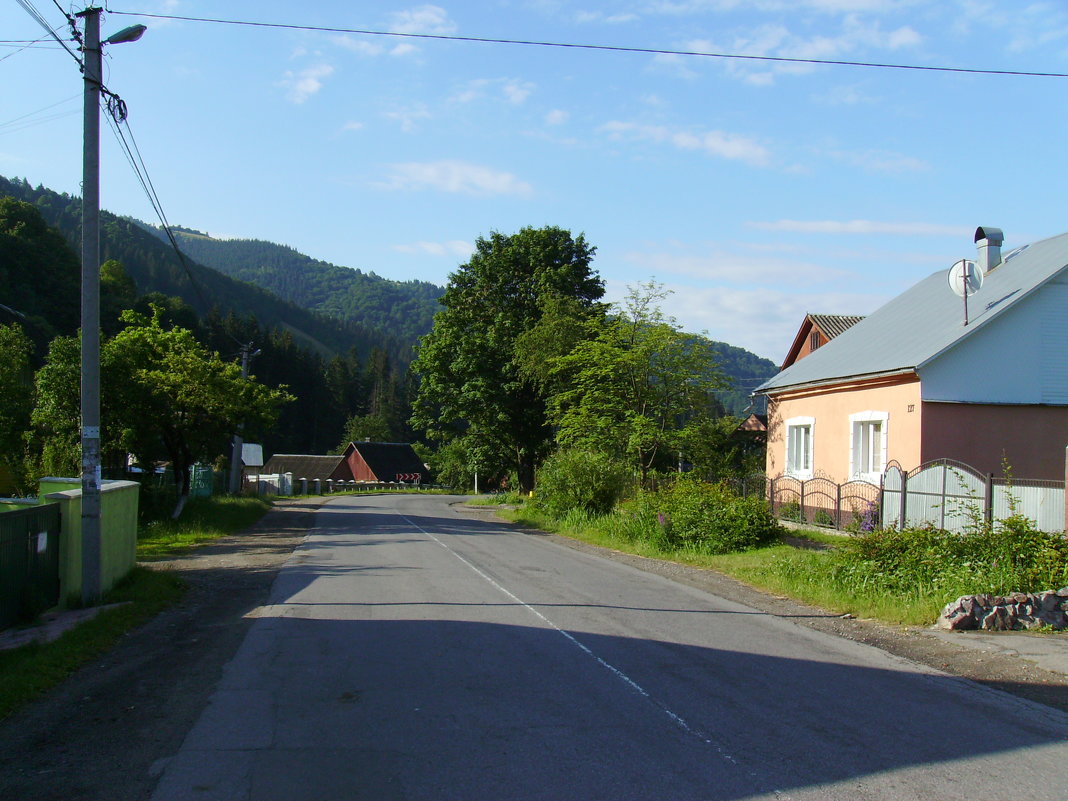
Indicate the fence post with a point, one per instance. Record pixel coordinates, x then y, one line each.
838 507
801 512
904 498
988 498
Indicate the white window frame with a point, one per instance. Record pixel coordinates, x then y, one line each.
794 426
861 465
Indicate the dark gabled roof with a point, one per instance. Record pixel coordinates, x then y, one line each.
926 321
387 459
830 325
302 466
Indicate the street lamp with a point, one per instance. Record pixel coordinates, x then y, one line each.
90 369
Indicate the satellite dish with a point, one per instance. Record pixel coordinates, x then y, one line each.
965 278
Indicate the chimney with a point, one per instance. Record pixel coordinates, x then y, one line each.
988 242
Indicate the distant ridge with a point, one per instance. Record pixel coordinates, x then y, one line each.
404 309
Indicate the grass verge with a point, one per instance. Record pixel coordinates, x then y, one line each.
27 672
203 520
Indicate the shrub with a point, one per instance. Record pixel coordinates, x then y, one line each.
706 517
791 510
821 517
1011 556
586 480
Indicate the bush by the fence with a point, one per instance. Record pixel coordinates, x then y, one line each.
576 479
706 517
1010 556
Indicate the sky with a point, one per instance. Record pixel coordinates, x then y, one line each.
754 190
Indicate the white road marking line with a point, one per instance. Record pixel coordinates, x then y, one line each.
675 718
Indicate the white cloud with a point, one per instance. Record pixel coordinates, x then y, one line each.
454 248
587 17
881 161
862 227
362 47
427 19
409 118
454 177
731 267
305 83
845 95
517 91
557 117
714 143
512 90
353 125
855 37
760 320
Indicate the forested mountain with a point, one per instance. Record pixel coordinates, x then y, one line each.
745 371
404 309
155 267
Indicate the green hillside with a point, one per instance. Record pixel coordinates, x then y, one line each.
404 309
155 267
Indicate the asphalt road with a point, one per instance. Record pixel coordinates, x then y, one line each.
408 652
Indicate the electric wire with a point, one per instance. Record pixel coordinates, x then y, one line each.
117 120
26 44
6 127
29 8
607 48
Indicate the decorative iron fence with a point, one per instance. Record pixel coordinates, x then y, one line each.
29 562
943 493
823 502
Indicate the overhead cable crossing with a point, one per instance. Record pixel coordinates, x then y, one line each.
596 47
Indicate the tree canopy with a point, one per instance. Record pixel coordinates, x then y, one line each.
472 388
632 389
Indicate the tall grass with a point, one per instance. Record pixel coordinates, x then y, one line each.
202 520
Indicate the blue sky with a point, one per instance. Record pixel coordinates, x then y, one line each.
755 190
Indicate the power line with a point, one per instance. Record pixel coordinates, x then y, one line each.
117 119
608 48
5 127
29 8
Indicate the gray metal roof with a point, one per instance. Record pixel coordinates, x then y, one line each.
925 321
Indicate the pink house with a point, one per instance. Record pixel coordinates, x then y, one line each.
912 382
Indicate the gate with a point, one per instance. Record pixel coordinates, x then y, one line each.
29 562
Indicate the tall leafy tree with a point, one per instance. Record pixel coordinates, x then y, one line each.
16 400
472 388
167 390
634 388
56 432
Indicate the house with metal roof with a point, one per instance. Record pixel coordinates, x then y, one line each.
927 377
816 331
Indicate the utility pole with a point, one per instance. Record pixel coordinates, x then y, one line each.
90 383
235 453
90 304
